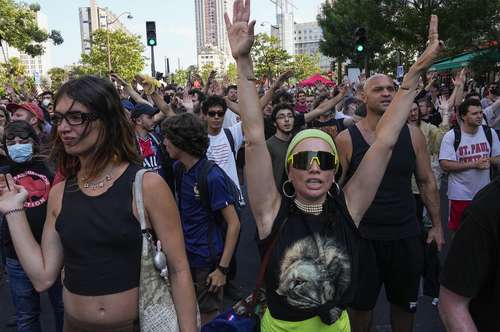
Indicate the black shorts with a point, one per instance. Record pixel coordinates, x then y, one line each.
207 302
397 264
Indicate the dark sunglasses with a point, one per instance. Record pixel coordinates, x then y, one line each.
212 114
73 118
303 160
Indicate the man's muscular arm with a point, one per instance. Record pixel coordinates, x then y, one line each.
344 149
427 185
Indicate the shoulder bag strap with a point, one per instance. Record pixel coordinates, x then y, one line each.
139 202
264 264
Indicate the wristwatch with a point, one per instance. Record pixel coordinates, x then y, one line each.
224 270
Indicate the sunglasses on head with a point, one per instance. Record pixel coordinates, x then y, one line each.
303 160
212 114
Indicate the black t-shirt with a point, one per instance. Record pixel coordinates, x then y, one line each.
36 178
313 263
472 267
331 126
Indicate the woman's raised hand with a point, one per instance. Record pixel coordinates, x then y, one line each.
12 196
240 32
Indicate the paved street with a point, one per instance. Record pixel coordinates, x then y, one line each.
427 316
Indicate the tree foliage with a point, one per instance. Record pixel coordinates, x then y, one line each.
269 58
395 25
305 65
180 77
126 54
232 73
19 28
205 71
57 77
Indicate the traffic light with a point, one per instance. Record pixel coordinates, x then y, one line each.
151 33
360 44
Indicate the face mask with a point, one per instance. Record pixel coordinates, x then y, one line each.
20 153
45 102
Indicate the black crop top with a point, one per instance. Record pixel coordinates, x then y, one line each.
101 238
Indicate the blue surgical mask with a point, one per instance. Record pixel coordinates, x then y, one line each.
20 153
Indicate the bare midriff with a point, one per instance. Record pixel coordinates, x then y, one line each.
105 310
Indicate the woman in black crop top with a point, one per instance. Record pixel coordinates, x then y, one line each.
309 277
91 229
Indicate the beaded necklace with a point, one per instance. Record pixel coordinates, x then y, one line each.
314 209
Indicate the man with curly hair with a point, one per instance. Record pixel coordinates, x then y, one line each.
209 252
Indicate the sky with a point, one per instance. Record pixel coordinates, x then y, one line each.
175 25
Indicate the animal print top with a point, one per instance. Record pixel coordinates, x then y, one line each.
314 262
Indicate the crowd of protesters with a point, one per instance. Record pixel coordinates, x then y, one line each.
343 184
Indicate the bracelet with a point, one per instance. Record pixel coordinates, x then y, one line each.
13 211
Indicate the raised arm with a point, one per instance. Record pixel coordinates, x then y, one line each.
326 105
268 96
43 263
210 80
232 105
360 190
262 192
129 89
458 89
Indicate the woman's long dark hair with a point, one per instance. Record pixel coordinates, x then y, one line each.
116 140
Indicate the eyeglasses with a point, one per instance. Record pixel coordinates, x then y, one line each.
303 160
284 116
212 114
73 118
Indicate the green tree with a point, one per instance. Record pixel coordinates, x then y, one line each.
12 73
205 71
126 53
305 65
19 28
57 77
397 30
180 77
232 73
269 58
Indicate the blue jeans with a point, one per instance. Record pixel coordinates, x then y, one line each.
27 300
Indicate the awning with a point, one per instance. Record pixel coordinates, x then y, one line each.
462 60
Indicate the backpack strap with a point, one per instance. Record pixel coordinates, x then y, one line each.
230 138
154 139
178 174
202 183
489 137
458 137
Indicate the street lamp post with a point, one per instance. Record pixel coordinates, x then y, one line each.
129 16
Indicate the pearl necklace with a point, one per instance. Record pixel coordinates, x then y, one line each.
314 209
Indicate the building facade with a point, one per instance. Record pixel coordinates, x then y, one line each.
212 43
307 37
93 18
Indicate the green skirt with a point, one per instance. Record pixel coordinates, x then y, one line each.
270 324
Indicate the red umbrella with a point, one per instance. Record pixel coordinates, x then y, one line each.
316 78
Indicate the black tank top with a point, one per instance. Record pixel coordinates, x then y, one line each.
392 215
101 238
314 264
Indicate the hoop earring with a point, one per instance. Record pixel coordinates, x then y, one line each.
336 192
283 188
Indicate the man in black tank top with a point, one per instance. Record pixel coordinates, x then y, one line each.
392 252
